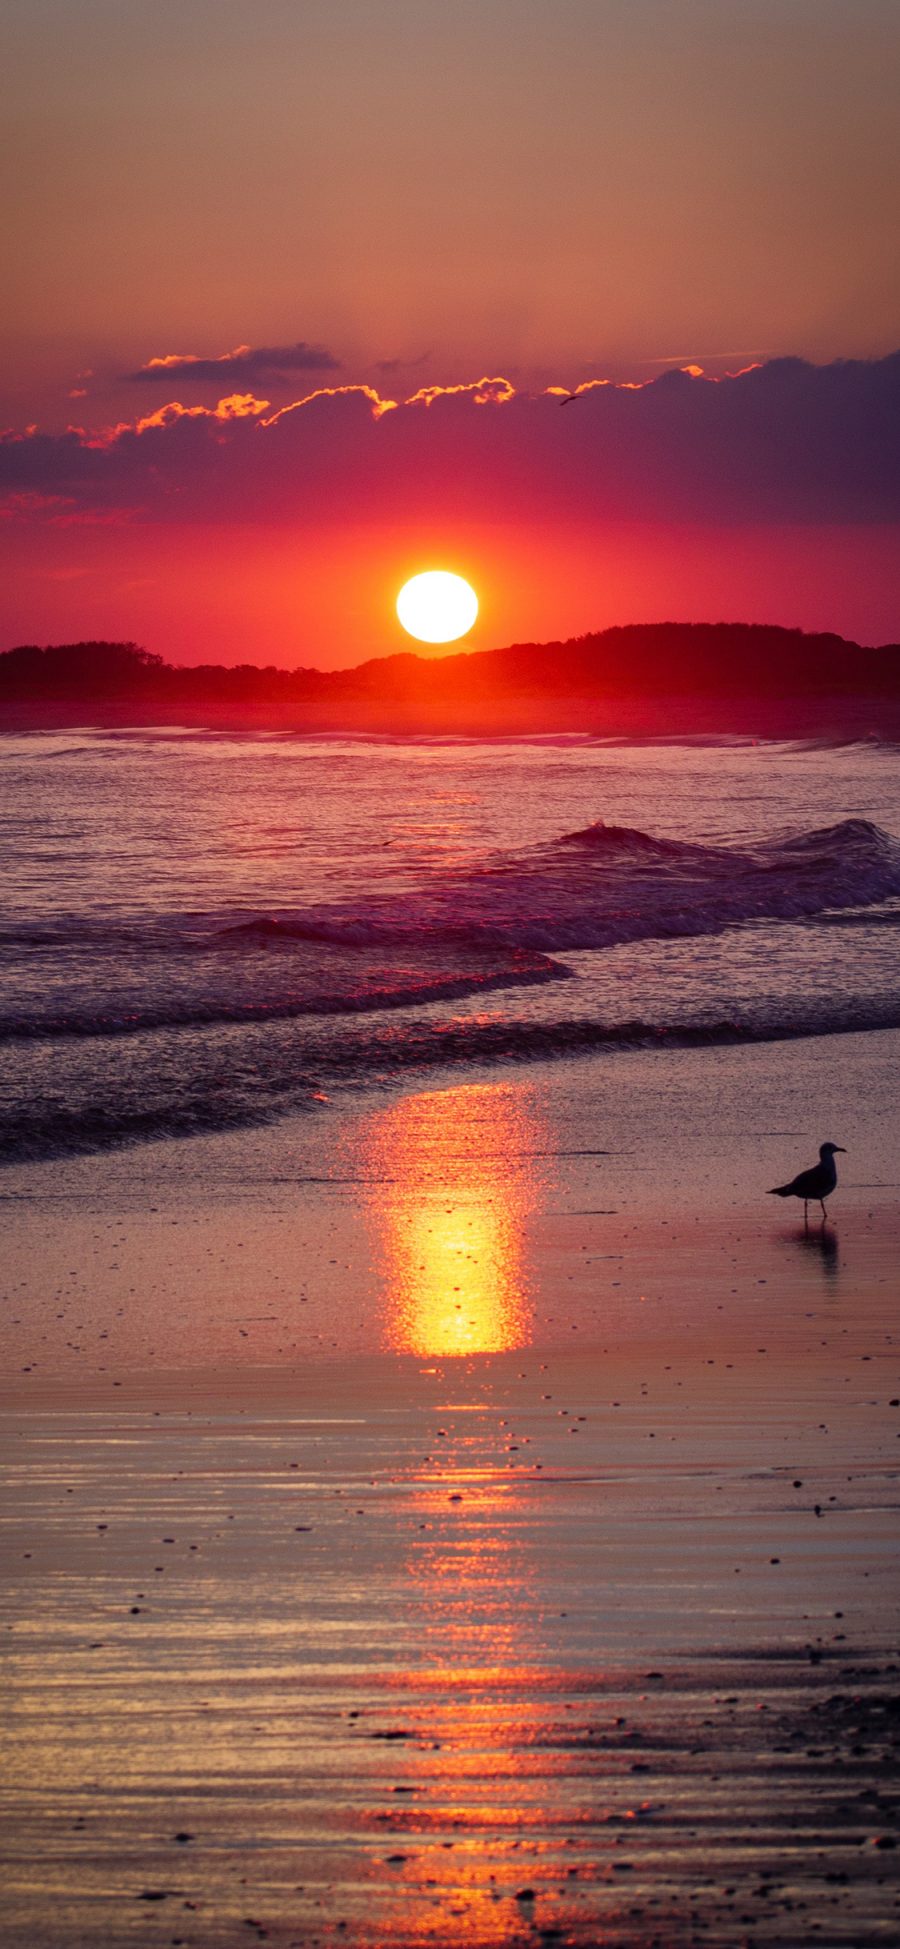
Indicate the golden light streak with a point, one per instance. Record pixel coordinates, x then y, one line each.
237 406
485 392
182 359
379 406
575 392
456 1186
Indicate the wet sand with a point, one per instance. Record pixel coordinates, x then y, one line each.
463 1517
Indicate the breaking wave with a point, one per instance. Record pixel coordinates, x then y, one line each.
496 926
144 1025
159 1086
605 885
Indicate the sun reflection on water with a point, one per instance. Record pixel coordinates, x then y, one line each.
456 1169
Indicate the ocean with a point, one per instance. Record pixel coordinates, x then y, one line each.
201 932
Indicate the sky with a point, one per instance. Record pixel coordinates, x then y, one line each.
301 285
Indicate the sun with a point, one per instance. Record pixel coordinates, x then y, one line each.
436 606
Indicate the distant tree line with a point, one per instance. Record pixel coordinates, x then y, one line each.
633 673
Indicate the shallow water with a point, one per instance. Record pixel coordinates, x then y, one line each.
200 932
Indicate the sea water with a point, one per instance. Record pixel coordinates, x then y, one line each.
200 932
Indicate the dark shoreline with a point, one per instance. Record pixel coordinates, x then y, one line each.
644 680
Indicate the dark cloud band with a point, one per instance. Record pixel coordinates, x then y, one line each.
784 442
247 362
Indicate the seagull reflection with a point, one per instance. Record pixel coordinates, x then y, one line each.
821 1244
448 1227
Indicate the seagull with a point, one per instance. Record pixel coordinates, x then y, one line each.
818 1182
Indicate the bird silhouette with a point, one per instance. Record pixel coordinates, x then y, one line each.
818 1182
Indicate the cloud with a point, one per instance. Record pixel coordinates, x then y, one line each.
29 502
485 392
377 404
402 365
61 511
237 406
270 362
783 442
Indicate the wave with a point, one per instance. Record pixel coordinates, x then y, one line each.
220 1084
503 923
869 918
316 992
624 843
604 885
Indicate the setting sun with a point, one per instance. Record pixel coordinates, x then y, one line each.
437 607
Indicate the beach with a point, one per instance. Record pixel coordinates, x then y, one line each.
450 824
317 1628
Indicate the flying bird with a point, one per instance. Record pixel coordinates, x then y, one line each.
818 1182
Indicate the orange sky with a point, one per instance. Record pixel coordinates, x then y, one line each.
235 596
524 186
227 199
